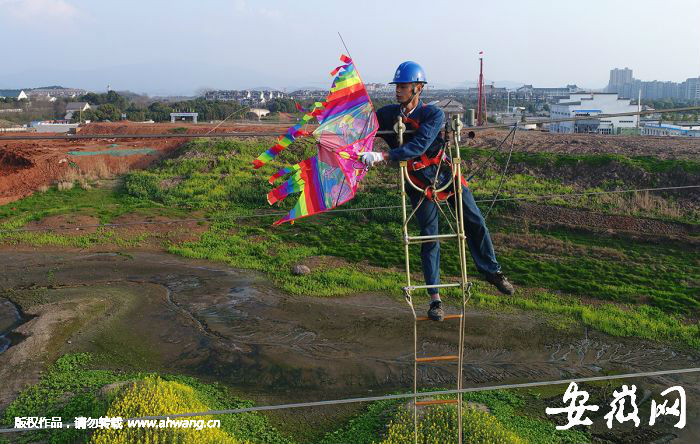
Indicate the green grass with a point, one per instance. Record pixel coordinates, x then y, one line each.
649 164
71 388
389 422
642 321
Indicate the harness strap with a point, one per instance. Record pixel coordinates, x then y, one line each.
414 165
440 196
425 161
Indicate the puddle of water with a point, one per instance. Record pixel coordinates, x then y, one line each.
10 318
229 311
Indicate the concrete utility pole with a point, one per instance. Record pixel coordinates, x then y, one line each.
639 107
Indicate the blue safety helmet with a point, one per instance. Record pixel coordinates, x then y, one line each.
409 72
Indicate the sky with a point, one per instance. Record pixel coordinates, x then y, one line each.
179 47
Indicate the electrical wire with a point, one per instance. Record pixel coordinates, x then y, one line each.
397 396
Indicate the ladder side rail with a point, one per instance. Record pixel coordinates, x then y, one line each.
403 167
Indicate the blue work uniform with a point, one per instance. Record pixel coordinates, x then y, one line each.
430 120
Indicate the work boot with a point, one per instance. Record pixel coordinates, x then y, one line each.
436 312
499 280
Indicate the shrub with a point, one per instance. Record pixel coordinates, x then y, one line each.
154 396
439 425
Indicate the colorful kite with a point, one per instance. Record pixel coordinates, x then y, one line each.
347 125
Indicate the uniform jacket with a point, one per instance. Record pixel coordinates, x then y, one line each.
429 120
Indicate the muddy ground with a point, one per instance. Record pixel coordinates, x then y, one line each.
151 310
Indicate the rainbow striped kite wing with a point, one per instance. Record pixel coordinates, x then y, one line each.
321 185
292 134
347 126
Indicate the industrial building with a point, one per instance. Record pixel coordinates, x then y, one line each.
592 104
669 130
528 92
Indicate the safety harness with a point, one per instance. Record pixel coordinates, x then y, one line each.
425 161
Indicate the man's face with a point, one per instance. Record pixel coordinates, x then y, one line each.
404 91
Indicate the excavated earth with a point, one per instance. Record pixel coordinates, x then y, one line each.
161 312
27 165
538 141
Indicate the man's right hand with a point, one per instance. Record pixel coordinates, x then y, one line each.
371 158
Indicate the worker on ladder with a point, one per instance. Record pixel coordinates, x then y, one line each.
423 149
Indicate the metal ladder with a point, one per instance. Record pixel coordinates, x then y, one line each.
452 131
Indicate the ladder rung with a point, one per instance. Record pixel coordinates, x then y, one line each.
431 237
425 318
437 401
418 287
438 358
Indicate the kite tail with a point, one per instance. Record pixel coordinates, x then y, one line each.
282 172
292 185
292 133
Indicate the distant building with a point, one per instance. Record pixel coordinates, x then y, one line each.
592 104
665 129
75 107
690 89
258 112
51 94
623 83
183 115
308 94
619 77
244 97
490 91
528 92
450 107
52 126
17 94
379 88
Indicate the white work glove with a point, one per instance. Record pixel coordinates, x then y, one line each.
370 158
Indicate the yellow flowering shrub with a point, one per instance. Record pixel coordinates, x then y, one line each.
438 425
154 396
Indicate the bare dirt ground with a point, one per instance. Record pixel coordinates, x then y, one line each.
537 141
160 312
554 216
27 165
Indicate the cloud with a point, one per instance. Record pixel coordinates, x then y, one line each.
40 11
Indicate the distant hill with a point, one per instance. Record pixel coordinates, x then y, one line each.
51 87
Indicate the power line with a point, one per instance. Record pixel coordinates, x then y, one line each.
141 136
269 134
398 396
339 210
